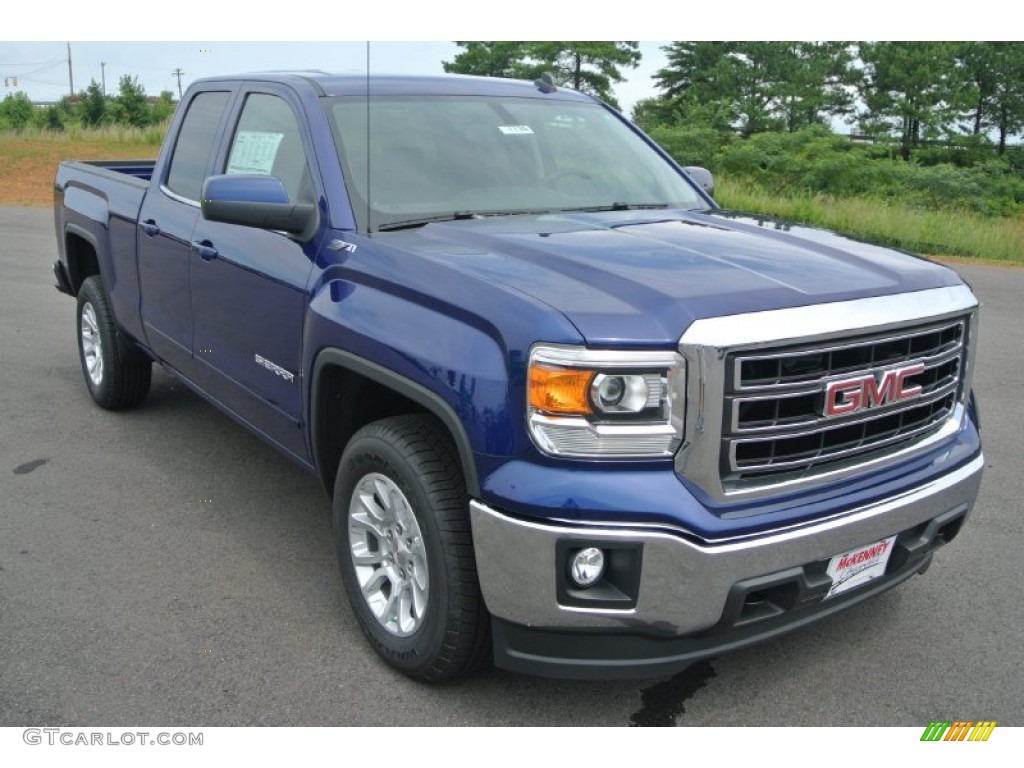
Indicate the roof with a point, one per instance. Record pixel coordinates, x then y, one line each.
408 85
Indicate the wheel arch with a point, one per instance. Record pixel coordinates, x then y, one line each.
82 252
332 425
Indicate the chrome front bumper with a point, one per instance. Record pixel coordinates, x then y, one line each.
684 584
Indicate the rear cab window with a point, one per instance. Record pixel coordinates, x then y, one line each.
194 144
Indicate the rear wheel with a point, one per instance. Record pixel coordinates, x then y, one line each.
405 551
117 375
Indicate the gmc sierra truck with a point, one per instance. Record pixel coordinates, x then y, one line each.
570 413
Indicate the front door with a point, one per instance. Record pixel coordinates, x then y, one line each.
249 286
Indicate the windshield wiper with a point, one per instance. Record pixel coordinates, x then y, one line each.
615 207
412 223
392 226
457 216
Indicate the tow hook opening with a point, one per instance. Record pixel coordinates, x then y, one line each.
949 531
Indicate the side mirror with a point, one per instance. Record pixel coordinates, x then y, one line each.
703 177
256 201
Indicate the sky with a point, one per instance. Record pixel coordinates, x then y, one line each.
109 31
42 71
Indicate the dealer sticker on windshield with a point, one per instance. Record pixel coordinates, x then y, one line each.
515 130
859 566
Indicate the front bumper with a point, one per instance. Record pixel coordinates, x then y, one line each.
694 599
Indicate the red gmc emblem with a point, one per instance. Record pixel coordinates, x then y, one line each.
852 395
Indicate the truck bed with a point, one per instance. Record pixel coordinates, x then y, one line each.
97 204
139 169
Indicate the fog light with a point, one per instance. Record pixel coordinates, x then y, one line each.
587 567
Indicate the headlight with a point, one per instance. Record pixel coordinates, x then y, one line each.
605 403
627 392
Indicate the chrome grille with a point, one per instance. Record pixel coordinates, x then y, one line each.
753 424
779 368
773 416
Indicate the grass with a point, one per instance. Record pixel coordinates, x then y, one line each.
115 134
29 158
936 232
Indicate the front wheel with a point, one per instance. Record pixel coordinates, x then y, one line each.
117 375
405 551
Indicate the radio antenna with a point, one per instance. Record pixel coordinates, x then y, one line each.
369 208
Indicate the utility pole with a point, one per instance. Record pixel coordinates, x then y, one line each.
178 73
71 79
103 77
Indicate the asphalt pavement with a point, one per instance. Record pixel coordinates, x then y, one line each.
164 566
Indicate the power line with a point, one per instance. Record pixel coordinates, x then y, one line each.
32 63
37 82
41 69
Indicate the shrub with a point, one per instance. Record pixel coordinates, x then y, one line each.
691 144
814 160
16 110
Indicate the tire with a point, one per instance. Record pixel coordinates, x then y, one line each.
117 375
401 507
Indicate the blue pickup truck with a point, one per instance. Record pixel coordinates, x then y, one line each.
572 415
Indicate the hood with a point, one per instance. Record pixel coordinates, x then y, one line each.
641 277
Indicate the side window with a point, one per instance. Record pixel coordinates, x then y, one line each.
267 141
195 139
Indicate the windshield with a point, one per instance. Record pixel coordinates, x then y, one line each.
437 158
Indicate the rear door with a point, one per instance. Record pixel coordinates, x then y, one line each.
168 216
249 286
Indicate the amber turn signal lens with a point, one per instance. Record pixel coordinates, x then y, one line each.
559 390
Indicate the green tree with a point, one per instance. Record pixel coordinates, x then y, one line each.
115 113
694 134
648 112
718 115
759 85
700 70
910 86
69 106
816 82
589 66
92 105
994 93
759 70
162 108
490 58
17 110
131 99
52 118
